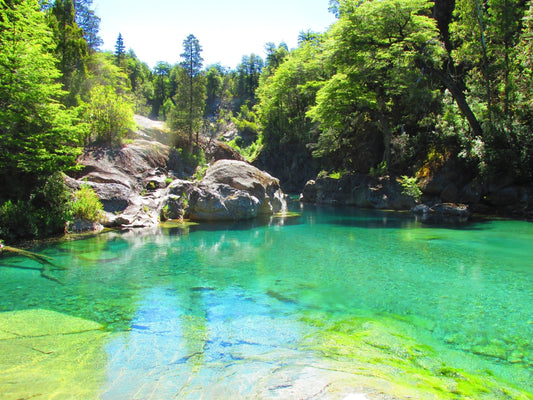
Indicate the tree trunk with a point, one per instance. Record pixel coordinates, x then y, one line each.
485 60
386 133
460 99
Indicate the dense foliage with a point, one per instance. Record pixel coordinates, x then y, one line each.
38 135
395 86
391 85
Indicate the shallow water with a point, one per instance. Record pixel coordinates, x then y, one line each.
322 305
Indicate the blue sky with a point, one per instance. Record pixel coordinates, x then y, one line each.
226 29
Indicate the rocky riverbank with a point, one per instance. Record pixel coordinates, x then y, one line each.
145 182
440 197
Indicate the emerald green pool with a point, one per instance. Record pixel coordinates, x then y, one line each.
327 304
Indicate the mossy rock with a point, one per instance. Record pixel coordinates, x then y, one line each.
45 354
390 355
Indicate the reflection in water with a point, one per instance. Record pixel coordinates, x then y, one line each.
325 303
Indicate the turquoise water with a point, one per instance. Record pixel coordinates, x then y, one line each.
331 302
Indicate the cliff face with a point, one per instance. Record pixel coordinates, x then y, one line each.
358 190
292 164
451 191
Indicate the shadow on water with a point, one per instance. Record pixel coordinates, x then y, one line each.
405 222
389 219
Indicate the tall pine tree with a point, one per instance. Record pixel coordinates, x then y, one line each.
190 100
120 51
71 48
89 22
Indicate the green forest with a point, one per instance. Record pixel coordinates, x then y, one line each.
392 87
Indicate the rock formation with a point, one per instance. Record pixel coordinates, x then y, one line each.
235 190
358 190
140 183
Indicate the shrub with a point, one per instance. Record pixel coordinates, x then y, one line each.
410 187
87 205
110 115
16 221
380 170
45 213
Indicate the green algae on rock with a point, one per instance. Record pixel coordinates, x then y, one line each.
45 354
388 354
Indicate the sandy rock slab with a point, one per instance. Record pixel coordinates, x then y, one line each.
46 354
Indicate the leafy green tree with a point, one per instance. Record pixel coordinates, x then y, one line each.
102 71
38 136
214 88
525 70
248 74
161 81
220 91
71 48
334 6
524 102
309 37
110 115
190 100
287 96
487 36
140 75
275 56
138 72
376 49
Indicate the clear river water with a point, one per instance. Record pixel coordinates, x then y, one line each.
323 304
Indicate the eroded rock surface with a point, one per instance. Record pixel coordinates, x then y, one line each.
138 186
358 190
235 190
129 181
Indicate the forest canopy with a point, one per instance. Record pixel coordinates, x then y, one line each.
392 86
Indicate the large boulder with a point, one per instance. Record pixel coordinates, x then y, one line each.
132 183
358 190
234 190
442 212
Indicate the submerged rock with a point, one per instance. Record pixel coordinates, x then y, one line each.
61 355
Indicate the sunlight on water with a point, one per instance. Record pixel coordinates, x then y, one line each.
328 304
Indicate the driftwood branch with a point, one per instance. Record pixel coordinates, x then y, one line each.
45 261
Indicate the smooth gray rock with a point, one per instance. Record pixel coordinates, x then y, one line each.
235 190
